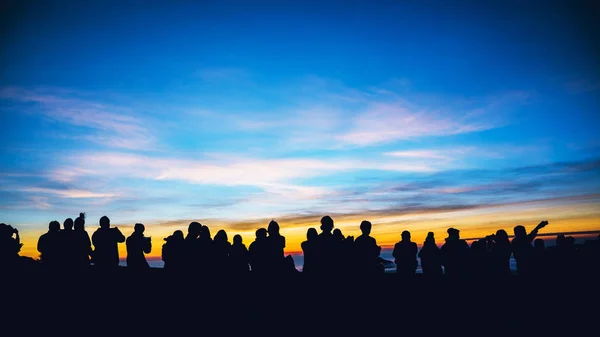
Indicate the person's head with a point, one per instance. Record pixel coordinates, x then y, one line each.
261 233
194 229
221 236
205 232
326 224
430 239
237 239
406 236
453 233
79 223
139 228
338 233
365 227
501 235
178 235
520 231
54 226
68 224
539 244
273 228
311 234
104 222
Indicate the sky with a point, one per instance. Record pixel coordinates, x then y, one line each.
414 115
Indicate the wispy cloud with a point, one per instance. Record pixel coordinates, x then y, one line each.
229 171
67 193
386 122
325 114
101 123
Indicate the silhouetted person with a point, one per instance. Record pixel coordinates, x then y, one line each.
69 246
49 245
84 244
367 251
326 247
259 252
106 240
276 244
521 247
239 256
206 250
500 254
455 254
138 245
405 255
174 251
192 246
310 250
221 250
431 257
9 246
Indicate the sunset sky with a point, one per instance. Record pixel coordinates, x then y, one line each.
414 115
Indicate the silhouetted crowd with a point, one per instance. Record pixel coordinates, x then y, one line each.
327 253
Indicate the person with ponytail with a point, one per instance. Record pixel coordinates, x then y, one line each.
84 244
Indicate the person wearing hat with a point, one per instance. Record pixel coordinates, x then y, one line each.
455 254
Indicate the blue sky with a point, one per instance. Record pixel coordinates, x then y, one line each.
156 111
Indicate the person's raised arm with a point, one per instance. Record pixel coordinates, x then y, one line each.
534 232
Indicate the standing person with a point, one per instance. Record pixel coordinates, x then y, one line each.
366 250
276 246
69 251
309 249
239 256
138 245
49 246
106 240
9 246
431 257
455 254
405 255
84 244
522 249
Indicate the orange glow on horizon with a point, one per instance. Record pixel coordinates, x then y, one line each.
386 227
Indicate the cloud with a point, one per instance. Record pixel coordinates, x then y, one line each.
443 154
41 203
68 193
387 122
272 174
328 115
100 123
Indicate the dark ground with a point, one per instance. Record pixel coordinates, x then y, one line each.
147 304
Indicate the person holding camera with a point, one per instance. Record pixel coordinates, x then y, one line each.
9 245
106 240
137 246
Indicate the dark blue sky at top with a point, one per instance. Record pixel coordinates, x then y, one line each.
153 51
444 46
